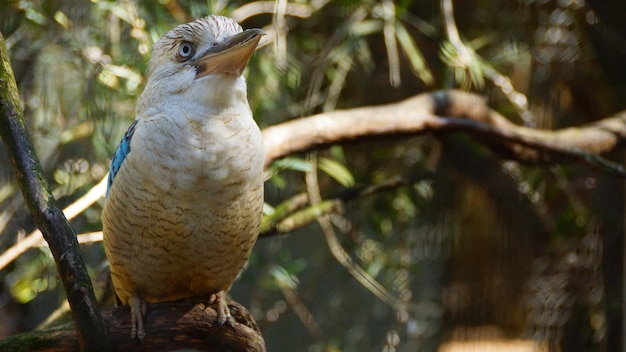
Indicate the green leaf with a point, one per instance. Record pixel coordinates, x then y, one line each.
337 153
418 64
337 171
366 27
283 278
295 164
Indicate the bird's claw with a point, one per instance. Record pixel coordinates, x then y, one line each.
138 310
223 313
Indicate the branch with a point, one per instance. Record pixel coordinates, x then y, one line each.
296 212
90 327
181 325
34 238
450 111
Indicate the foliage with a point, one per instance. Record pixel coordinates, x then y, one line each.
479 241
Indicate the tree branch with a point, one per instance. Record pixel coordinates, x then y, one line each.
181 325
450 111
90 327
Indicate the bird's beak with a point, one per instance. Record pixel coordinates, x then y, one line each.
231 55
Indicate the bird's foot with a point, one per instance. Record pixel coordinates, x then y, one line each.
223 313
138 310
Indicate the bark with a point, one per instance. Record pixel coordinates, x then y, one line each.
90 327
181 325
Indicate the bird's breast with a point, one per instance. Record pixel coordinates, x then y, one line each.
216 154
185 208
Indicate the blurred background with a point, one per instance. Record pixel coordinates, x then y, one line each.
463 250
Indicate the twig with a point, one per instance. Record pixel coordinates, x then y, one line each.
254 8
469 56
35 238
294 213
302 312
340 253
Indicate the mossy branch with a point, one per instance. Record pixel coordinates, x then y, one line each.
90 327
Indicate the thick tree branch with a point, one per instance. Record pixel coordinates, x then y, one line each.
182 325
450 111
56 229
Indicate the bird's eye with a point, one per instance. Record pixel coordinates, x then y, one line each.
185 50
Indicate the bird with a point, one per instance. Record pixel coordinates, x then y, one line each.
184 200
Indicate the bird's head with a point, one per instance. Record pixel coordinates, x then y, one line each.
208 53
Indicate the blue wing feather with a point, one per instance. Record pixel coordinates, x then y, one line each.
120 154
